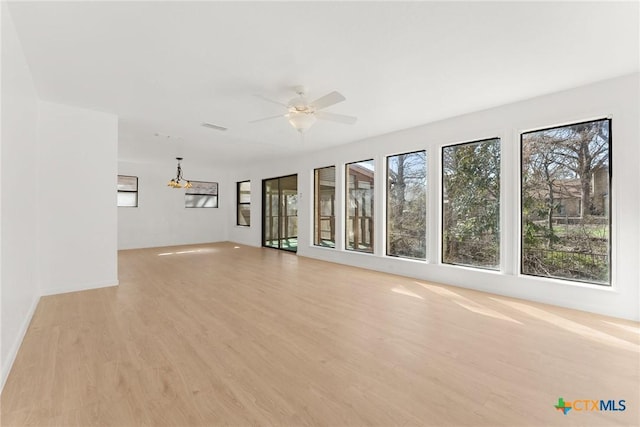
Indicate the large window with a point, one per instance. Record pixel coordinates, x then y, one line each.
565 188
407 205
202 195
324 233
359 206
243 197
471 204
127 191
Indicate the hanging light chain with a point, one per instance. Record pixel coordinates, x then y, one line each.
177 181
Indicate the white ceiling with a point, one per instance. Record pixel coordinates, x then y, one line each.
165 67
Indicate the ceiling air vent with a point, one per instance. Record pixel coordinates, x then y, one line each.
212 126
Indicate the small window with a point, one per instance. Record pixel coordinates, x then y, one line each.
244 203
127 191
202 195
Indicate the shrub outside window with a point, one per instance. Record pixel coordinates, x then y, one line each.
471 204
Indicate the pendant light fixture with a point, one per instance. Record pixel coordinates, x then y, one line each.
177 182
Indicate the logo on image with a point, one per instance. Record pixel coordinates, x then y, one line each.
588 405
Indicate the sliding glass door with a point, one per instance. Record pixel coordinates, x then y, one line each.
280 213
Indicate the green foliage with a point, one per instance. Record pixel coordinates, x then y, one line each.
472 203
530 234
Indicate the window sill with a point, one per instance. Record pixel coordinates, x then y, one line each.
561 282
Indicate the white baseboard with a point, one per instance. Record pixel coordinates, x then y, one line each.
83 287
6 368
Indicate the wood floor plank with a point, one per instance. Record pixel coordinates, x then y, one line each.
225 334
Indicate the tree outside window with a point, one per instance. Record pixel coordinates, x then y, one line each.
471 204
407 205
565 204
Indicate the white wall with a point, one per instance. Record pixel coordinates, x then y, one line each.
617 98
161 218
19 290
77 215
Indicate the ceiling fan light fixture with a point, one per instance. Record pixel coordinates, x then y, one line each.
301 121
302 114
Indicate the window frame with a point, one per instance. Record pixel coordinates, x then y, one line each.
280 199
346 208
188 193
316 236
386 205
129 191
573 281
239 203
499 267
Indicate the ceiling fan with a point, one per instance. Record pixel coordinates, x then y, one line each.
302 114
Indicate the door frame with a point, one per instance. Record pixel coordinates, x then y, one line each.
264 218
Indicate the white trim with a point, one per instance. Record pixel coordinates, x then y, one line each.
312 207
340 238
323 248
13 353
84 287
434 207
474 268
505 236
380 205
567 282
406 259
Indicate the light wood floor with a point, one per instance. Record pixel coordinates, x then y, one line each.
224 334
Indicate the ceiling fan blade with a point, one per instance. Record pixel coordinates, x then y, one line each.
269 118
328 100
264 98
340 118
